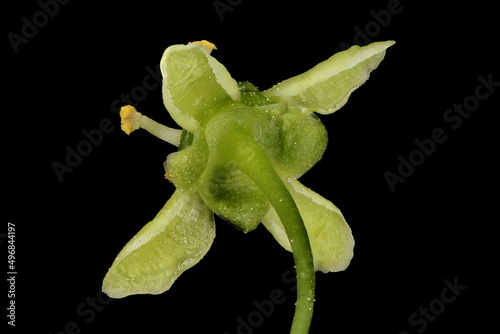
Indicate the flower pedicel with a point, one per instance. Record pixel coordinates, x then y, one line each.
241 151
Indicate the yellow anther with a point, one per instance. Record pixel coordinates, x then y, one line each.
129 119
205 45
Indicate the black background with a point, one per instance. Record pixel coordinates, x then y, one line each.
438 225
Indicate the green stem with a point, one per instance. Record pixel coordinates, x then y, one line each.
253 161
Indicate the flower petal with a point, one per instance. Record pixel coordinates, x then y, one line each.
331 239
193 83
174 241
327 86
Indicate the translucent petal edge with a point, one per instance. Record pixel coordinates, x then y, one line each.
185 121
337 63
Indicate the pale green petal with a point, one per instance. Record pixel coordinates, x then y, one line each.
331 239
193 83
327 86
174 241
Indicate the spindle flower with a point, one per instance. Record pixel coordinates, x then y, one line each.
241 152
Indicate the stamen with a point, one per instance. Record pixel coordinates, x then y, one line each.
132 120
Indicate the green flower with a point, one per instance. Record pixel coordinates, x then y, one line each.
240 154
